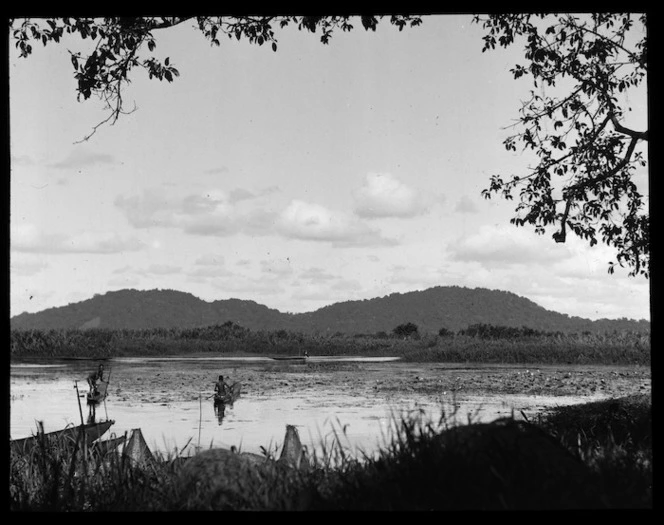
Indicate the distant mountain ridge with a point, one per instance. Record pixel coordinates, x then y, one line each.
450 307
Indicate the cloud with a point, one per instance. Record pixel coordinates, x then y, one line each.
315 274
217 171
210 265
277 267
27 238
210 259
123 269
324 293
313 222
218 213
132 273
207 213
210 271
415 276
345 285
599 297
249 288
383 195
21 160
149 209
242 194
213 201
213 212
257 221
162 269
26 267
493 245
124 282
82 157
465 205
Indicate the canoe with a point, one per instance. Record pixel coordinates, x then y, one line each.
99 396
105 446
68 435
289 358
230 396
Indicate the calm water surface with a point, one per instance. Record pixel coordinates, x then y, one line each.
47 393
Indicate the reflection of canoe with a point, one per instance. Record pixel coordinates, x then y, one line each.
68 435
99 395
231 395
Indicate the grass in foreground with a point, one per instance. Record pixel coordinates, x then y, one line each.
596 455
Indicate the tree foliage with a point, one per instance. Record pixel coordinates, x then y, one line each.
581 68
123 44
489 331
445 332
406 330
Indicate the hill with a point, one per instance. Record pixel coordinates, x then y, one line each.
451 307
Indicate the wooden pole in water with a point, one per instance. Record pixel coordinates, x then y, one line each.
200 415
108 382
78 398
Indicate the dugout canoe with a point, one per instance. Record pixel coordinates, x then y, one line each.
105 446
231 395
99 395
66 436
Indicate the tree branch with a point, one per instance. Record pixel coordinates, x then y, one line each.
589 182
636 135
169 22
561 235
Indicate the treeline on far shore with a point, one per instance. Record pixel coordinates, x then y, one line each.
478 343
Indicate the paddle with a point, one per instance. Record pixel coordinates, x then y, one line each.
108 382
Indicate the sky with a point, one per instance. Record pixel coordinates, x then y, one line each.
297 179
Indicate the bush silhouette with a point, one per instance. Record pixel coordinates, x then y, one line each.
406 330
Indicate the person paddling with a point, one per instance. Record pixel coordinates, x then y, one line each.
94 377
221 388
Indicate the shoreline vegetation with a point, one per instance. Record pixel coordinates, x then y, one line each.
595 455
477 344
592 456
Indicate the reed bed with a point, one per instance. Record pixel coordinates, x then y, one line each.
478 346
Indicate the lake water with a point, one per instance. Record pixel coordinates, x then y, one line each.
46 392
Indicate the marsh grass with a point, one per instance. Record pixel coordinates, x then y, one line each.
596 455
587 348
64 475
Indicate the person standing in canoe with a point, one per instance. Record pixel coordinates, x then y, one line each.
95 376
221 388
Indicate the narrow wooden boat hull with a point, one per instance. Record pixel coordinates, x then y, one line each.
108 445
230 397
66 436
95 399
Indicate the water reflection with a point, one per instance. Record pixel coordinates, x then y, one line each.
254 359
220 412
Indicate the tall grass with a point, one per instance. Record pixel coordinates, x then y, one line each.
61 475
597 455
628 348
